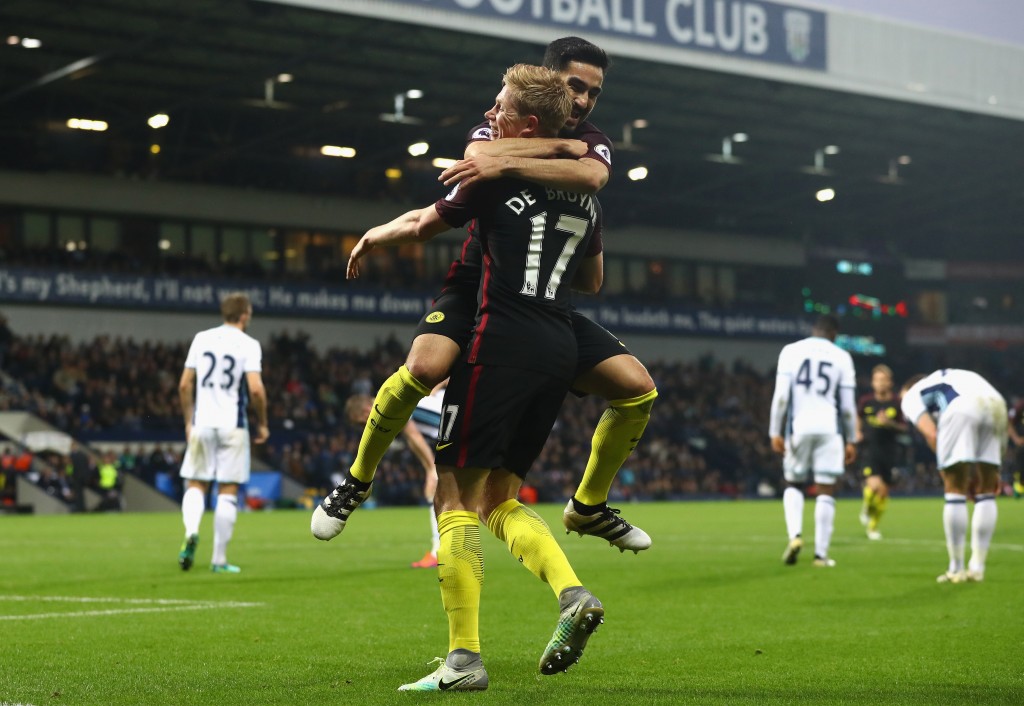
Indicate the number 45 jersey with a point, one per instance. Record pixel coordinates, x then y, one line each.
221 357
815 387
533 241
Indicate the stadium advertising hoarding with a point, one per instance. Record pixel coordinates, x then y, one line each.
53 288
747 29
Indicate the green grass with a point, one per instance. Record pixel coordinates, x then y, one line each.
708 616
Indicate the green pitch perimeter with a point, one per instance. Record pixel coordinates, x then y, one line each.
94 610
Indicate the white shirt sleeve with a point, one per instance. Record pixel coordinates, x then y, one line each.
254 357
190 359
780 400
912 404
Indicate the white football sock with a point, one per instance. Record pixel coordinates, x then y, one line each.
954 519
193 505
223 527
436 538
983 525
793 506
824 521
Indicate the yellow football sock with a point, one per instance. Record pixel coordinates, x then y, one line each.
460 570
869 501
396 399
531 542
880 504
617 434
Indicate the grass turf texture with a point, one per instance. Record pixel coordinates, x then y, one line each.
708 616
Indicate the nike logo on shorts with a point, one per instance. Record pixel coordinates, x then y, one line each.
439 447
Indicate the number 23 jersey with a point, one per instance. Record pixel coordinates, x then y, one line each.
533 241
221 357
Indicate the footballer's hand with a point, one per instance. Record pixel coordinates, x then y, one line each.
364 246
778 445
851 454
262 434
574 148
466 171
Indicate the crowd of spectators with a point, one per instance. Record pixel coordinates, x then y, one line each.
707 436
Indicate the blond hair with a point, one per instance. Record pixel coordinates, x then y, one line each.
882 368
538 91
234 305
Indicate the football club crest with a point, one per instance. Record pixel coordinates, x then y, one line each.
604 152
483 133
798 34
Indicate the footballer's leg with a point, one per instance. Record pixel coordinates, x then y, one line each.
955 520
608 370
460 572
193 505
431 356
224 517
440 338
530 541
983 520
881 505
824 522
528 537
867 508
197 469
795 470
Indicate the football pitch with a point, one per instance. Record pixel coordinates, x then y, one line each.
94 610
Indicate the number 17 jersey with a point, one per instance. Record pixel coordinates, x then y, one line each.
814 390
533 241
221 357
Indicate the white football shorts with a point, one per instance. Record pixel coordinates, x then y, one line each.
820 454
220 455
972 429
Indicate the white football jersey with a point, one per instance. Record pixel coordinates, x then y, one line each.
934 393
815 387
221 357
427 415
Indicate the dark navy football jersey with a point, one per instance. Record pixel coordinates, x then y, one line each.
533 240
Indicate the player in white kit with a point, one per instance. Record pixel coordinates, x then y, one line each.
420 429
963 420
222 376
813 425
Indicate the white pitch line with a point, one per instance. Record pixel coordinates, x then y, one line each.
144 601
158 605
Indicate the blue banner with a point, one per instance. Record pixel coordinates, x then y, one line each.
745 29
54 288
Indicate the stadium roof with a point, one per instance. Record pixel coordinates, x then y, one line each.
215 69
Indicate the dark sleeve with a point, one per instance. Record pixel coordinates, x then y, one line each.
480 133
461 206
599 147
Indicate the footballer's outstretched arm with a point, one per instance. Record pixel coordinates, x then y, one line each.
528 147
411 227
512 157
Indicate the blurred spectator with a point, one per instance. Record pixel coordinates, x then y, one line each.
6 338
109 483
81 469
54 480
